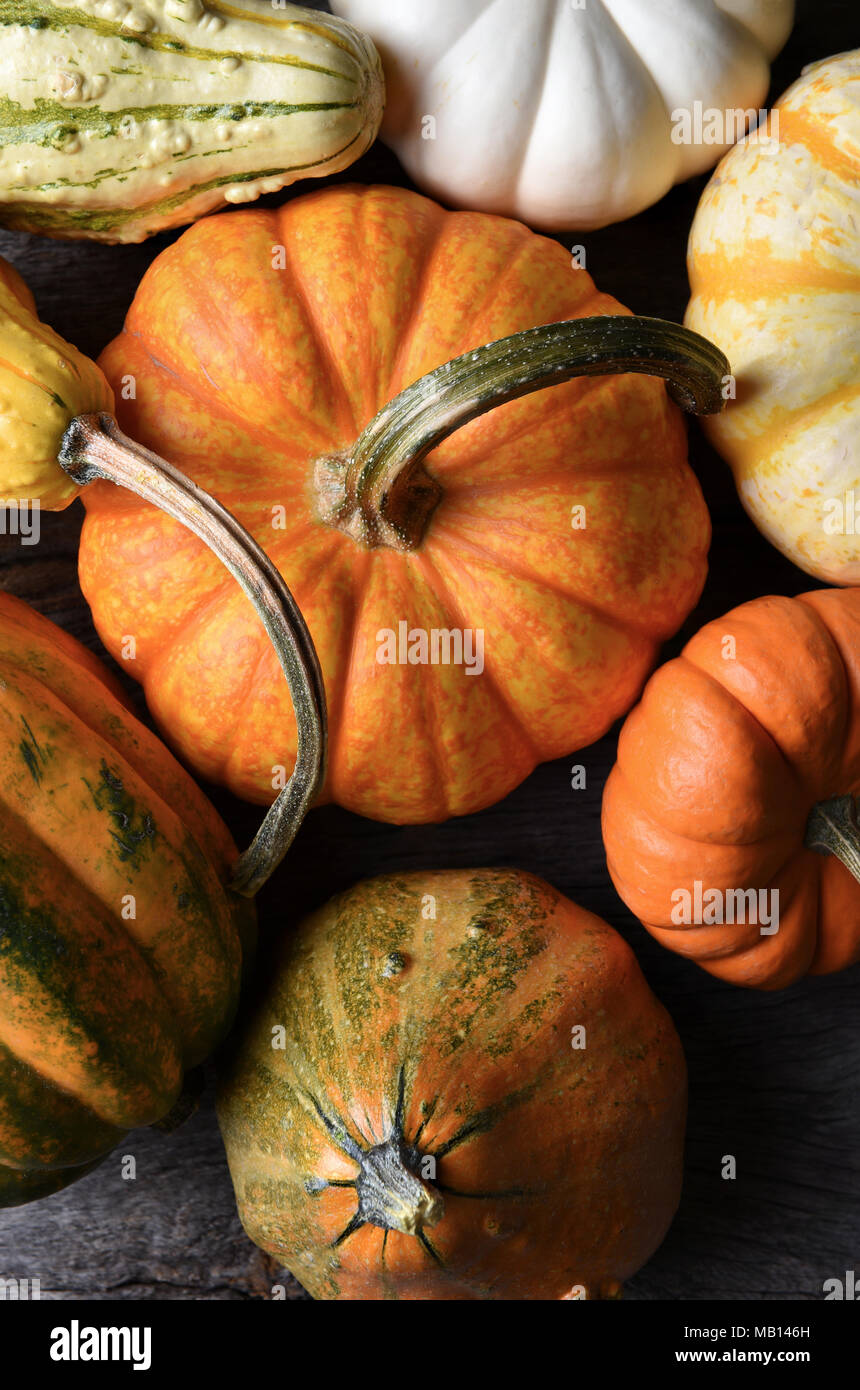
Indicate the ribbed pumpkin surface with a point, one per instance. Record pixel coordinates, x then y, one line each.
120 951
718 770
450 1036
246 379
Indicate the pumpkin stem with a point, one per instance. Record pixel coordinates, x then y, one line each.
833 828
380 493
390 1194
95 447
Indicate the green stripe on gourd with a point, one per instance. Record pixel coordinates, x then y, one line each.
49 122
42 14
85 154
98 226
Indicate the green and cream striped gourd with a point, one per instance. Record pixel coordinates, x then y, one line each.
119 118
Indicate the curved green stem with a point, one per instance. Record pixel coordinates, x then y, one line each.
95 447
382 496
833 828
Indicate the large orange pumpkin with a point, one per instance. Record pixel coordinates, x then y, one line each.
564 531
737 776
458 1086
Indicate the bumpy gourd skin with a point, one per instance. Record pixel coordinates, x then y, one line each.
436 1011
121 119
44 384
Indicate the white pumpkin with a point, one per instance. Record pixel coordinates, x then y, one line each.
774 265
562 112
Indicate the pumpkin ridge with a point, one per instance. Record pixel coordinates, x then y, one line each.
210 602
420 296
586 386
753 718
17 660
50 1150
346 423
216 944
476 19
90 1029
337 690
779 844
296 288
507 962
158 350
335 1129
759 951
838 656
233 748
461 493
382 391
486 1119
155 362
588 605
213 840
346 698
433 723
56 703
471 332
525 246
495 685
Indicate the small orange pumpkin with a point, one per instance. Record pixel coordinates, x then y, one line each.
737 776
563 532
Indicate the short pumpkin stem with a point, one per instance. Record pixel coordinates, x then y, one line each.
391 1195
95 447
380 493
833 828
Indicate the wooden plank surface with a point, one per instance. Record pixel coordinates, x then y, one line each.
773 1078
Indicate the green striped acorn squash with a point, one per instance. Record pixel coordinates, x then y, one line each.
121 944
119 118
456 1086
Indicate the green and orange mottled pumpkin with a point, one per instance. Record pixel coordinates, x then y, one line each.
120 944
458 1086
564 526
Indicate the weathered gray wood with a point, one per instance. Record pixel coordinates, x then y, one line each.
773 1077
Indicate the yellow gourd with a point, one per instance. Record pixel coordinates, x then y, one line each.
44 384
